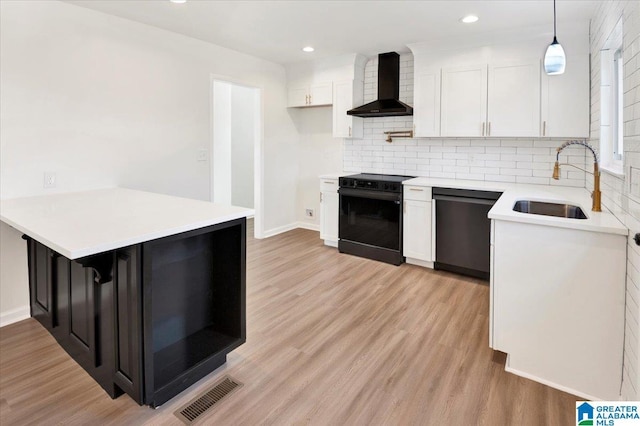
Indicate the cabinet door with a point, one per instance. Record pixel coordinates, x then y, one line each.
329 216
565 101
82 314
342 101
464 101
321 94
417 230
345 126
128 322
514 99
41 282
298 96
426 112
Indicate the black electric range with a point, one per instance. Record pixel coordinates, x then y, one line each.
370 219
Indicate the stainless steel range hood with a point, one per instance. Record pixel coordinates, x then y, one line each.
387 104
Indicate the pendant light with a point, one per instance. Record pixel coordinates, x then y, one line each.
554 59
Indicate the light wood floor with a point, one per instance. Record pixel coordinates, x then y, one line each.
332 340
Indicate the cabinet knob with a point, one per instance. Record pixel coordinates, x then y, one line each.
483 124
489 129
349 131
544 128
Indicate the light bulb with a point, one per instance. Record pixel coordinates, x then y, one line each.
555 59
469 19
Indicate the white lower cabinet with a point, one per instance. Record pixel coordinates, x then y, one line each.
417 225
557 306
329 211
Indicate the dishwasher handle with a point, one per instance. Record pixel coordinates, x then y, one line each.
464 200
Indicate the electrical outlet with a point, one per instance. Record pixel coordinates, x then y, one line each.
202 155
49 179
309 212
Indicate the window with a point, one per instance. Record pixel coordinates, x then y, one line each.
611 102
617 122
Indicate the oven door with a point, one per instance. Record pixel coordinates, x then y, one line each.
370 217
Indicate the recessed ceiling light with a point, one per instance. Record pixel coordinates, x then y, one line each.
308 49
469 19
178 1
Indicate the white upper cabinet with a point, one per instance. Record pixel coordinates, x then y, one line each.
347 95
426 108
321 93
494 100
464 101
493 85
514 99
315 94
565 100
298 96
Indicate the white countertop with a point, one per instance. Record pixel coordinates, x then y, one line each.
80 224
336 175
603 221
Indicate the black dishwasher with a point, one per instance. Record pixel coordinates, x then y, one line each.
463 230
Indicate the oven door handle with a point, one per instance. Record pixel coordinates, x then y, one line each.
376 195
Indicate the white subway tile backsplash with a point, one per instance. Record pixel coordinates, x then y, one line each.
498 150
516 172
532 180
443 149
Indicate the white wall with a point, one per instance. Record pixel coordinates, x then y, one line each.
318 153
103 101
243 123
221 162
621 194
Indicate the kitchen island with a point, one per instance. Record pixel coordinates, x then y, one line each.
145 291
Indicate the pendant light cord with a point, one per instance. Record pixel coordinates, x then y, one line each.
554 19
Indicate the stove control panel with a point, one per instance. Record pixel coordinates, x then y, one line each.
372 185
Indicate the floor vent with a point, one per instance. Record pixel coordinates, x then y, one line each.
200 404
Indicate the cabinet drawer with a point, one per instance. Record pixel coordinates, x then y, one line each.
417 193
329 185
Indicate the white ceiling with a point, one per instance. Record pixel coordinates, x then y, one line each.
277 30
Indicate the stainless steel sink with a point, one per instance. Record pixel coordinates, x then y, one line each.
549 209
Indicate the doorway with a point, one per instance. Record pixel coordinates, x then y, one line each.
236 147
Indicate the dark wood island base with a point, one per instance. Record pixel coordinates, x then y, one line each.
149 319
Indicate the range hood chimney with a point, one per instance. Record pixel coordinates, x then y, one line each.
387 104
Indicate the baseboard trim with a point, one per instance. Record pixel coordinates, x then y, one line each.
291 227
309 226
418 262
279 230
14 315
551 384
